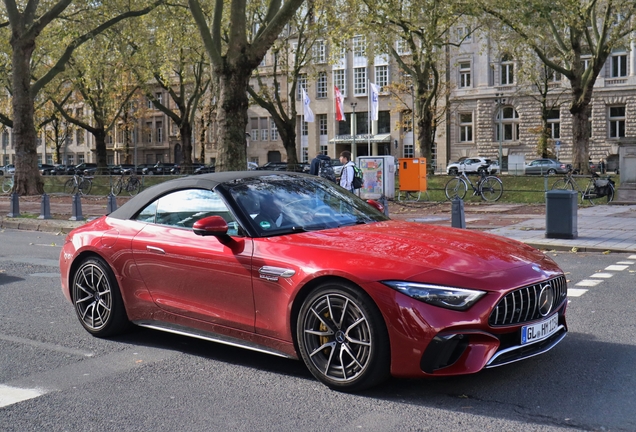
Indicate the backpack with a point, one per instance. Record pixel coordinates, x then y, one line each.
325 170
357 177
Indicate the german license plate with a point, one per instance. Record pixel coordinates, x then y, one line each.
539 331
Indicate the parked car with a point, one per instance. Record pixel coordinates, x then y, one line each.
205 169
281 263
283 166
7 169
60 169
252 165
123 169
545 166
46 169
160 168
81 168
473 165
337 167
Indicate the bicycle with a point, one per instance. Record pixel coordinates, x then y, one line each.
78 183
132 185
597 191
489 187
7 184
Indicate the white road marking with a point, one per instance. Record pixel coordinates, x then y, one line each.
602 275
616 267
576 292
588 282
626 262
10 395
45 346
632 257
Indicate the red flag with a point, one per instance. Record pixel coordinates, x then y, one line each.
339 104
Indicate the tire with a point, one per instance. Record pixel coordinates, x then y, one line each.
491 188
85 186
594 200
562 184
551 171
97 299
69 187
342 338
7 184
133 186
455 188
453 171
116 189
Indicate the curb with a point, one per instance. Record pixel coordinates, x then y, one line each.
48 225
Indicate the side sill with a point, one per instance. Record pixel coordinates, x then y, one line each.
211 337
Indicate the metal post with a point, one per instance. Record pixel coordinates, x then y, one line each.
354 149
45 207
14 205
458 219
500 102
77 208
112 203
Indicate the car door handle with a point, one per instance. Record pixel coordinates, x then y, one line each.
155 249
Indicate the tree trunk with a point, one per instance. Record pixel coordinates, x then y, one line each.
186 147
100 150
288 135
581 139
424 137
232 118
27 177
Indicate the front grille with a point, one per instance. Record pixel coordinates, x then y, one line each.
521 305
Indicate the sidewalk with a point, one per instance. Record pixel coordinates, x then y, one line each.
601 228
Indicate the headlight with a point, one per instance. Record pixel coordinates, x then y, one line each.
446 297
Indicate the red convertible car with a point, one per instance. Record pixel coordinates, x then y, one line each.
293 265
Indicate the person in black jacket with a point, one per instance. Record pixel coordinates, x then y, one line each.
315 163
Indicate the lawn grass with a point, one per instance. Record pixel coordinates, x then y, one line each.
517 189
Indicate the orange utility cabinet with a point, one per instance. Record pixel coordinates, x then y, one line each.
412 174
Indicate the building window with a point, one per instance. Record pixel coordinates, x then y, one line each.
464 75
159 132
463 34
264 129
384 122
340 80
382 76
304 127
149 132
407 121
159 97
322 124
80 158
507 71
319 53
323 149
300 85
273 130
402 47
360 81
304 156
254 128
616 122
321 85
554 124
359 46
466 127
619 66
70 159
508 118
408 151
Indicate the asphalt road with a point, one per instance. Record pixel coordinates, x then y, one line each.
154 381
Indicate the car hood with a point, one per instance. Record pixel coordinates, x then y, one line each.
409 250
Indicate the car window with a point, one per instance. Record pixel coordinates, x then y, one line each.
183 208
283 206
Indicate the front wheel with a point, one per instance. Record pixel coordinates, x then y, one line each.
7 185
342 338
133 186
116 189
70 186
98 303
456 188
491 188
85 186
453 171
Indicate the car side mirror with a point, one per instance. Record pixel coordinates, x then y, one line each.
376 205
211 226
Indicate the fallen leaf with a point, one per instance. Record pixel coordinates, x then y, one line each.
606 252
575 249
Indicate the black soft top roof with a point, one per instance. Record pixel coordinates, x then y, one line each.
202 181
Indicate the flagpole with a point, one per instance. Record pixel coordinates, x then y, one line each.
369 96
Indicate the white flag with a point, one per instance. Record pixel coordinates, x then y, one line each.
307 112
375 93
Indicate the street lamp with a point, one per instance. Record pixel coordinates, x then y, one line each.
354 149
500 101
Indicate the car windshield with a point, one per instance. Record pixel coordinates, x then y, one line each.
283 205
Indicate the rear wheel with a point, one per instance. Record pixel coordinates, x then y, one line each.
453 171
97 299
456 188
133 186
69 186
594 199
85 186
551 171
491 188
342 338
116 189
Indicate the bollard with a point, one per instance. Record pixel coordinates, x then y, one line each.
111 206
458 220
77 208
385 204
45 207
14 209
